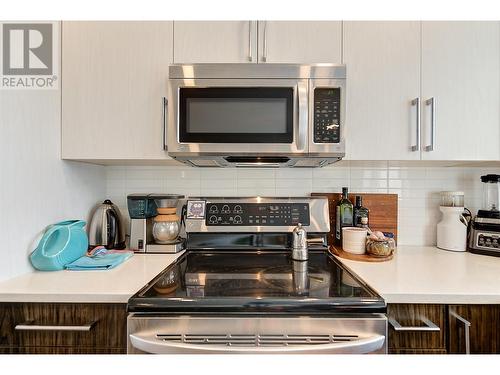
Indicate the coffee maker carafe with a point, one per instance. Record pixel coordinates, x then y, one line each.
155 223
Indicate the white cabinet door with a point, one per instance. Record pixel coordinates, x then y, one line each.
461 71
383 77
215 42
114 75
302 42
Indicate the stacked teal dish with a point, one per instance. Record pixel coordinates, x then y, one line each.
61 244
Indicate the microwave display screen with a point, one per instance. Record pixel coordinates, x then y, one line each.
236 115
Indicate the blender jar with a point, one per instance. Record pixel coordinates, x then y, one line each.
491 193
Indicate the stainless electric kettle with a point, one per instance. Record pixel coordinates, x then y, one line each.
106 227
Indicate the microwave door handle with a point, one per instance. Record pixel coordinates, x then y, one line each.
164 120
302 116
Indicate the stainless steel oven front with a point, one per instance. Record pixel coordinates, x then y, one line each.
256 114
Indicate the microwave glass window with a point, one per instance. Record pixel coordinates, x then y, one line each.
228 115
236 115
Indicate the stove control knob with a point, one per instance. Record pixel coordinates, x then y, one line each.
237 209
212 220
225 209
213 209
237 219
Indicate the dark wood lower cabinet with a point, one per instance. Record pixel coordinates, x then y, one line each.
474 328
417 329
441 329
60 328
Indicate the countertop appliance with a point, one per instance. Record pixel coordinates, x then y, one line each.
484 237
155 226
452 229
106 227
256 115
237 289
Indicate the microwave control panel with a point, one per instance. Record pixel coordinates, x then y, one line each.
257 214
326 115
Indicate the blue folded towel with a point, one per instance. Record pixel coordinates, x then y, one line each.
99 261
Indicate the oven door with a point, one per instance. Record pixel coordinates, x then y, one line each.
356 334
238 118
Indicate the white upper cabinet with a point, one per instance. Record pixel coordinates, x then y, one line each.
461 71
215 42
383 78
301 42
114 76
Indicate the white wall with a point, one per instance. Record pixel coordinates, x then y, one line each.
417 187
36 187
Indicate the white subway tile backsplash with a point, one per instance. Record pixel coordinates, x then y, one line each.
218 173
250 173
361 185
297 183
332 172
417 187
257 191
294 173
360 173
256 183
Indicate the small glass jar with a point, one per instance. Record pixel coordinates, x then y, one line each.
380 248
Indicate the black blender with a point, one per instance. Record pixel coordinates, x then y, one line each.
485 228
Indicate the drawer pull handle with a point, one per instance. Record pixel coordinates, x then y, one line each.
467 325
428 327
29 326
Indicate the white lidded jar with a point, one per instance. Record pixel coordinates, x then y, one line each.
452 229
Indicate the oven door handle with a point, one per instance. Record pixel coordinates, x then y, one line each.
302 117
148 343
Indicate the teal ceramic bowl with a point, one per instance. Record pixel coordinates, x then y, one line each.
61 244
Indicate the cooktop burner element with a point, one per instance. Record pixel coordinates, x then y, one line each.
257 282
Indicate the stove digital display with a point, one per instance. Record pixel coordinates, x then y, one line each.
257 214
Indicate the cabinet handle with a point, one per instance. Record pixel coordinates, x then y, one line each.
264 46
432 103
164 122
428 327
467 325
416 102
29 326
250 53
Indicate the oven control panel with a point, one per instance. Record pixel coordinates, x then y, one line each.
327 115
256 214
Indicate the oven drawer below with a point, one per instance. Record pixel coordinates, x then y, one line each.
258 335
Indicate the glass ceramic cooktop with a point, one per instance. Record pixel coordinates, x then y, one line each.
252 281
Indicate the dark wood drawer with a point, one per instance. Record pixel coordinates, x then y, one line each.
58 325
417 328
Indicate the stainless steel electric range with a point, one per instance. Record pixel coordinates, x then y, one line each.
237 289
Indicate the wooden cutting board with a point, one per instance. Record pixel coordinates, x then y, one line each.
383 211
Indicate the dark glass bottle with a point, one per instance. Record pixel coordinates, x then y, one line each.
360 213
344 211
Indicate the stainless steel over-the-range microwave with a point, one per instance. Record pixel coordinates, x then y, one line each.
245 115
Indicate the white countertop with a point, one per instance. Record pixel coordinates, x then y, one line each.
430 275
111 286
415 275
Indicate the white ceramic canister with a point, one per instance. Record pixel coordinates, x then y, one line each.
354 240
